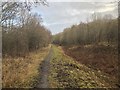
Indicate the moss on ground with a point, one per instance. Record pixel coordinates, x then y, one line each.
68 73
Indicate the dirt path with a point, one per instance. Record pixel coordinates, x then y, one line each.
44 70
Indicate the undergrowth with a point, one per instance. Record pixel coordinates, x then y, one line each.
22 72
68 73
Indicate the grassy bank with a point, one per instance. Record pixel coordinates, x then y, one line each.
98 57
22 72
66 73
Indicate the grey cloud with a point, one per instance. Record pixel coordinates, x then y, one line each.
64 14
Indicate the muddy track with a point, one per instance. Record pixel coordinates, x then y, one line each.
44 70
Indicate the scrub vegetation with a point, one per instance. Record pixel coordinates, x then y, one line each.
25 43
23 72
82 56
65 72
94 44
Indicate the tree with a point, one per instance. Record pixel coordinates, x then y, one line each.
99 30
22 33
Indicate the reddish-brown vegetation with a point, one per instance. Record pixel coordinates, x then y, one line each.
98 57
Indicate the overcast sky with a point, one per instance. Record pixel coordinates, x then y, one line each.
59 15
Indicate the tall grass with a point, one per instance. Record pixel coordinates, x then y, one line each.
22 72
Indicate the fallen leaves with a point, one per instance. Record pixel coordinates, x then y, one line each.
66 72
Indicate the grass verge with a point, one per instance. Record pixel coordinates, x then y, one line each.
68 73
22 72
98 57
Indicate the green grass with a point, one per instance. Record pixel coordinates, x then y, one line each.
68 73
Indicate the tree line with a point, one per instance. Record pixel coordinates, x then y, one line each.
22 30
101 29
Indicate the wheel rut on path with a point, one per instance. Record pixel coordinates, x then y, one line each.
44 71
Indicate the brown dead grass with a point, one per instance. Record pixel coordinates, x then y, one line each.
97 57
22 72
